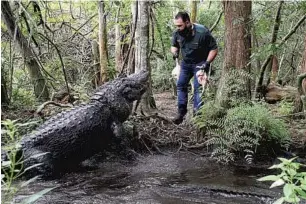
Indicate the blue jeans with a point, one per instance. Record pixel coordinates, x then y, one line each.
187 72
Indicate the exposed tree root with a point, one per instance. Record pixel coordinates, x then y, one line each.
157 132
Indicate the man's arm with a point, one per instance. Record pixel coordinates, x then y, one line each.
174 45
212 55
211 44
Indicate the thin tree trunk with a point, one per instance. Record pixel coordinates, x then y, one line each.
103 43
175 8
141 55
216 22
130 56
152 31
193 12
237 44
40 86
4 92
277 22
138 42
255 46
160 33
275 68
11 73
96 63
118 57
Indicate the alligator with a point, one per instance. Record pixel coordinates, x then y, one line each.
68 138
265 196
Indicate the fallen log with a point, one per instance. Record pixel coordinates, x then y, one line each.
275 93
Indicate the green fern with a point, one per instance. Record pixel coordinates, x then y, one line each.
241 130
234 88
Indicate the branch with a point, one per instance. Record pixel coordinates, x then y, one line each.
41 21
77 30
292 31
132 39
29 30
42 106
160 34
159 55
276 22
62 63
152 32
216 22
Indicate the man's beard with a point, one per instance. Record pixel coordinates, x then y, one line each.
186 32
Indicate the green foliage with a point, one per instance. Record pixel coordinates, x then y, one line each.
82 91
13 168
161 74
208 116
207 16
234 90
285 107
240 129
294 182
23 97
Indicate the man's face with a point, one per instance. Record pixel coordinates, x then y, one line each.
180 24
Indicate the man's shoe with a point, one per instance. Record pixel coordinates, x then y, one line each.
178 119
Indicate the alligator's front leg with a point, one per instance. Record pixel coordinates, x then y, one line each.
38 162
121 141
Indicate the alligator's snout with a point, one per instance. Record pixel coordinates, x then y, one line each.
140 77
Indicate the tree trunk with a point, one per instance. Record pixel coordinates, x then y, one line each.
118 57
237 45
40 86
275 68
277 22
4 93
255 45
160 34
103 43
193 12
141 55
174 7
300 102
96 64
131 61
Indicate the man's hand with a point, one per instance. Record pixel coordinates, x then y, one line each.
201 77
205 66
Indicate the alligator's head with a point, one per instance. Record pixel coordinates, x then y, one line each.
130 88
133 86
121 92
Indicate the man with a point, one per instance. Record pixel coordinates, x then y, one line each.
198 48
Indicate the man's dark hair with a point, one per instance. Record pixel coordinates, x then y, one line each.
183 15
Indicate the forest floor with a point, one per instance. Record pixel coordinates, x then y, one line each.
166 104
157 131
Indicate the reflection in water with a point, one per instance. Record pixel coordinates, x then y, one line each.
182 178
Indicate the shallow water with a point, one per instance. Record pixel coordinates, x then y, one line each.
181 179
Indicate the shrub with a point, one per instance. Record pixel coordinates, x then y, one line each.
241 129
294 182
13 167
